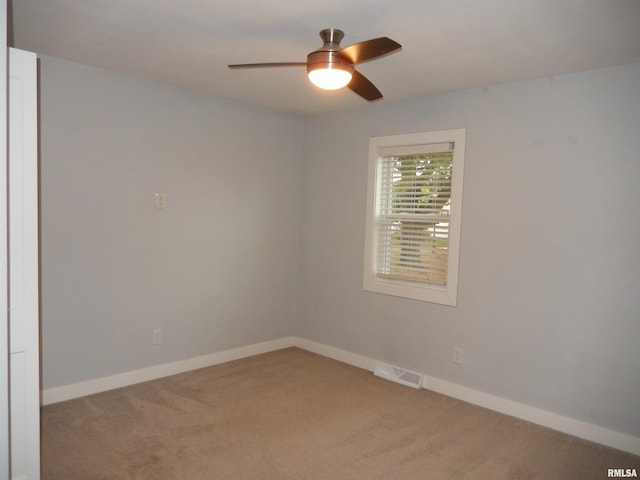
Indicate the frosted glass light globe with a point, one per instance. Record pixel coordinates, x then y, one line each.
330 78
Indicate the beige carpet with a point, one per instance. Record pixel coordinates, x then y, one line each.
295 415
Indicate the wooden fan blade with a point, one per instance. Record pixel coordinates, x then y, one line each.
268 65
363 87
369 49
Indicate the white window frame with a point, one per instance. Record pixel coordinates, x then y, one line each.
446 294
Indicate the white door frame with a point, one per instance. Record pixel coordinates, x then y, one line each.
24 310
4 326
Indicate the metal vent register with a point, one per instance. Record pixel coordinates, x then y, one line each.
398 375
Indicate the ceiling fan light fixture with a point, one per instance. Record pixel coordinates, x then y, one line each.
331 76
332 67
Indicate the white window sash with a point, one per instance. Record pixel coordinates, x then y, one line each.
422 261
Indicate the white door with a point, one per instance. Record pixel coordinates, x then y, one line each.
24 367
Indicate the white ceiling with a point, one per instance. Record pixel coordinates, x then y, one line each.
447 44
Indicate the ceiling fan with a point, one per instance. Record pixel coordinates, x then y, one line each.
331 67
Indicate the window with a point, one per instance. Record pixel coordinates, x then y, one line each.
413 215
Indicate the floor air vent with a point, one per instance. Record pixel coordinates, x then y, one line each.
398 375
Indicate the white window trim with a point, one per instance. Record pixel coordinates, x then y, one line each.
446 295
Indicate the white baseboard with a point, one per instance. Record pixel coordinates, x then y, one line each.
587 431
81 389
336 353
577 428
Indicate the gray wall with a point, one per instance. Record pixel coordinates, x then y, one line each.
548 308
263 233
216 269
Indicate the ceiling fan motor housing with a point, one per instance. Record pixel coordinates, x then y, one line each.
327 59
328 55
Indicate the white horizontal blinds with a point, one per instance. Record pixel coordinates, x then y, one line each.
412 220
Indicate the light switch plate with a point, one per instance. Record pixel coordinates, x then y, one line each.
161 200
